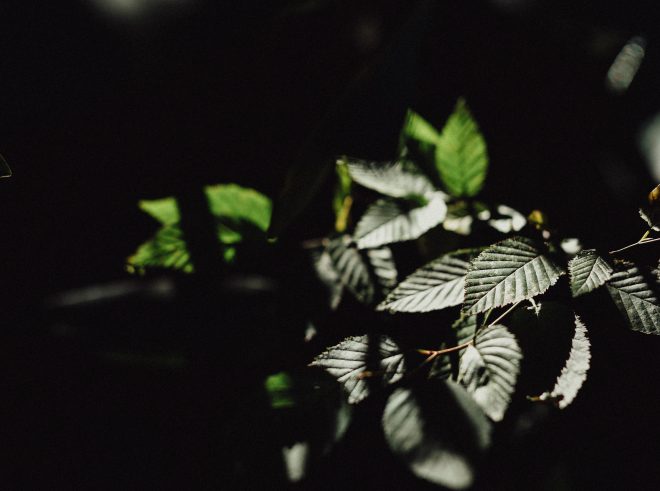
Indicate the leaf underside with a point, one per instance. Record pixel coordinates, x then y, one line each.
461 155
574 372
508 272
349 360
489 370
439 442
437 285
394 179
587 271
385 222
636 299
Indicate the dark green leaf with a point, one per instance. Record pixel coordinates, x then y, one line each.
489 368
587 271
507 272
574 372
636 298
437 285
349 362
385 222
461 156
439 434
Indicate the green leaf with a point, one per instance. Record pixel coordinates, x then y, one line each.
328 275
240 213
437 285
464 330
280 389
587 271
439 432
415 127
398 179
489 368
351 268
5 171
506 273
636 299
461 157
349 362
385 222
574 372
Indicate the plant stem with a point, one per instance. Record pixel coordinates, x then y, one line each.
642 241
435 353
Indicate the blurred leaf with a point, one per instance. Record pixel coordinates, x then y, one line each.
461 157
417 128
350 363
240 212
280 389
636 299
5 171
397 179
351 268
489 368
435 286
587 271
574 372
439 432
385 222
507 272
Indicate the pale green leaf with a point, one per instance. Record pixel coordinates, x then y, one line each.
415 127
439 432
489 368
350 361
461 156
587 271
385 222
507 272
636 298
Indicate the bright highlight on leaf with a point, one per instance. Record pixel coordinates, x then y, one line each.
636 299
241 213
507 272
350 363
574 372
489 368
439 434
587 271
437 285
385 222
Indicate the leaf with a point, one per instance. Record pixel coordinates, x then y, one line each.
5 171
507 272
461 157
435 286
385 222
417 128
507 220
463 331
240 213
489 368
328 275
350 360
587 271
636 299
383 267
574 372
397 179
439 434
351 268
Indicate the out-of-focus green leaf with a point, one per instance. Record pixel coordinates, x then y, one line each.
461 156
415 127
240 213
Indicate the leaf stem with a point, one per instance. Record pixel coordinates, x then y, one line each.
435 353
641 241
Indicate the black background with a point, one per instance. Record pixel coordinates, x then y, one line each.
97 113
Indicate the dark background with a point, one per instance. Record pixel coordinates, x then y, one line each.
97 112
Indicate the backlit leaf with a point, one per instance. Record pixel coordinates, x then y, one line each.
461 157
